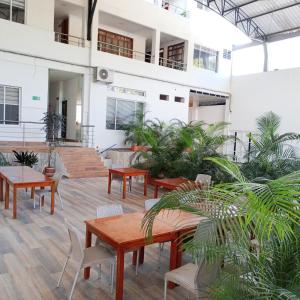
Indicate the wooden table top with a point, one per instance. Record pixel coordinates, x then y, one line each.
128 171
126 228
171 183
23 174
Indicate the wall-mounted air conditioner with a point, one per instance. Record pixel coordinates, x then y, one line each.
104 75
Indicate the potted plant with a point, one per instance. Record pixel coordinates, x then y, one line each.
53 123
28 159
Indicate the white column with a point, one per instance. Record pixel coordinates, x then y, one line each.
189 54
155 46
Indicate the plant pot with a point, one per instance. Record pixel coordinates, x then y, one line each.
49 171
136 148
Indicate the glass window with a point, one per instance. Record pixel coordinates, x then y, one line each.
119 112
9 104
206 58
13 10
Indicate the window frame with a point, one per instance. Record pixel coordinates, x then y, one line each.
19 105
11 12
136 102
209 51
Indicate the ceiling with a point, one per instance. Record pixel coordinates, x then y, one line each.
57 75
265 20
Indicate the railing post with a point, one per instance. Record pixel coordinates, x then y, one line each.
24 134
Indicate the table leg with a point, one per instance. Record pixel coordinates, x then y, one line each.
142 255
6 195
109 182
1 189
15 203
124 187
88 243
145 184
155 191
32 192
134 258
52 199
120 274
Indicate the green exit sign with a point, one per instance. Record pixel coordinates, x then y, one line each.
36 98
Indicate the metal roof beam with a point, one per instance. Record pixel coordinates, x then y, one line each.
283 34
239 6
91 11
269 12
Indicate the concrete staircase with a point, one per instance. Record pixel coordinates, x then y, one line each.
81 162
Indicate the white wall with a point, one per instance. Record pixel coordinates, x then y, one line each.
207 114
33 81
253 95
155 108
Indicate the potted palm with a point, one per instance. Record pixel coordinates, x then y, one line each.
53 123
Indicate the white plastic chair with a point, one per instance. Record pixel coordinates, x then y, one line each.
85 257
196 278
41 193
110 210
204 180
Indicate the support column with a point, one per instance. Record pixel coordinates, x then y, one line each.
155 46
266 57
189 54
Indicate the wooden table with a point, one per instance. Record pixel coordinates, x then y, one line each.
169 184
124 233
128 172
23 177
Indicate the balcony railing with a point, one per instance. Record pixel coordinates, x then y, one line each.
173 64
69 39
125 52
168 5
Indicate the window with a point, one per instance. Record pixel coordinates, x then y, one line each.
9 104
119 112
227 54
206 58
164 97
12 10
115 43
176 56
179 99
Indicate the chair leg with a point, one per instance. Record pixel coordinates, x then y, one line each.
137 262
61 203
99 272
165 289
40 201
112 270
130 183
63 271
75 281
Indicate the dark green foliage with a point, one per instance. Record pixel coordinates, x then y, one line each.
179 149
3 161
28 159
272 154
53 124
268 211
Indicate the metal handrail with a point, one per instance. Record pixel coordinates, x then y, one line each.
67 39
108 148
178 65
168 5
122 51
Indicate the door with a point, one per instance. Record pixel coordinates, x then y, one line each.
64 112
64 38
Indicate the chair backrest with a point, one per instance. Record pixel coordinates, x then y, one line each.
207 271
150 203
204 179
109 210
76 246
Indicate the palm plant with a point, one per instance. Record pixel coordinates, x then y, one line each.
241 210
272 154
26 158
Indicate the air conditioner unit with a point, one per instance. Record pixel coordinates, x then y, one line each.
104 75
